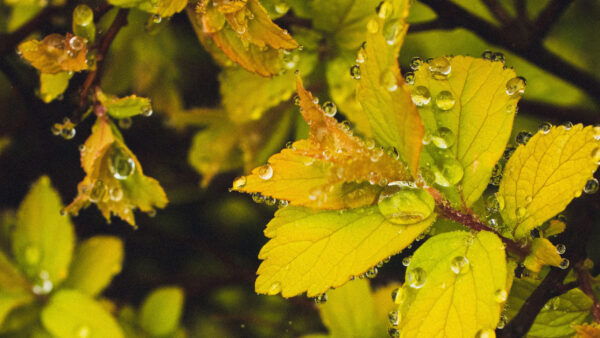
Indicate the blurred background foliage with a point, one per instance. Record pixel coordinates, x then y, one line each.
207 239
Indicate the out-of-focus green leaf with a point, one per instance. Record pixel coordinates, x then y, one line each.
13 288
53 85
95 263
70 313
43 238
128 106
161 311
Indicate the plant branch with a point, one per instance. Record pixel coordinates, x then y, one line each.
498 11
93 77
548 17
10 41
521 8
428 25
471 221
519 41
585 284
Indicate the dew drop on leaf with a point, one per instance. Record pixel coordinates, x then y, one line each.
32 254
567 125
444 138
82 332
523 137
397 296
355 72
329 108
393 332
97 191
321 299
416 278
545 127
485 333
440 68
415 63
409 78
265 172
521 212
125 123
459 265
510 149
561 248
388 81
384 9
68 133
404 204
147 111
120 164
487 55
372 272
282 7
275 288
394 317
115 193
452 172
296 100
500 295
591 186
498 57
516 86
596 155
492 204
420 95
564 264
406 261
373 26
444 100
239 182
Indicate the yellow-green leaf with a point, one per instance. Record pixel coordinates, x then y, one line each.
161 311
466 109
56 53
455 286
331 170
70 313
542 177
167 8
53 85
126 106
542 252
557 317
96 262
14 289
114 178
43 239
350 311
311 251
382 92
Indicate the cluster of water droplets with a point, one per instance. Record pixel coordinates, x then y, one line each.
65 130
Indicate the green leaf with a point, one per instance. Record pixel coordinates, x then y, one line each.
53 85
96 262
468 115
14 289
558 315
382 92
161 311
350 311
455 286
70 313
313 251
43 239
124 107
542 177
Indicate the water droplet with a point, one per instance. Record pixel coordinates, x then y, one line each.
416 278
329 108
275 288
393 332
125 123
500 201
373 26
521 212
564 264
469 238
83 332
265 172
388 81
406 261
97 191
420 95
500 295
270 201
239 182
68 133
523 137
56 129
283 204
452 172
258 198
591 186
487 55
501 322
355 72
508 152
545 127
361 55
415 63
440 68
394 317
404 204
498 57
485 333
77 43
444 138
444 100
384 9
596 155
492 203
459 265
567 125
147 111
410 78
397 296
120 164
115 193
561 248
296 100
516 86
372 272
282 7
321 299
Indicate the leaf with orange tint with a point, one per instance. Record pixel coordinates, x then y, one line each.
114 178
56 53
331 170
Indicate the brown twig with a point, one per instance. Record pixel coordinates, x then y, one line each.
471 221
93 77
548 17
585 284
428 25
521 8
498 11
519 41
